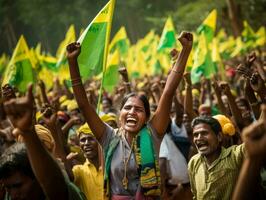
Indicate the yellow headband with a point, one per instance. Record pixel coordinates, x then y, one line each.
226 124
108 117
85 129
72 105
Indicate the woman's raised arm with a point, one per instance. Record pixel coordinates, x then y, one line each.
161 117
89 113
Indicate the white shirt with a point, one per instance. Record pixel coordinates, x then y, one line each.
176 161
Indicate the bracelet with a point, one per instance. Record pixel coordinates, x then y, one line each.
78 79
177 72
76 84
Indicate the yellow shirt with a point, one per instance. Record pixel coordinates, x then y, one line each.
218 180
89 180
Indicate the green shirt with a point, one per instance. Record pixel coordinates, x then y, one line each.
218 180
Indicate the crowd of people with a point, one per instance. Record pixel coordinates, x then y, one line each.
155 137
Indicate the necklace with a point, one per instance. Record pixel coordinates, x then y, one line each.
125 161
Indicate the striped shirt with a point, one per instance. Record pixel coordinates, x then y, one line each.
218 180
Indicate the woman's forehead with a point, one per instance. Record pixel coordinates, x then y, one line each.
134 101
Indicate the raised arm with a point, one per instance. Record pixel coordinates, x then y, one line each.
161 117
47 172
218 93
188 101
89 113
257 84
124 74
234 109
43 93
254 137
248 90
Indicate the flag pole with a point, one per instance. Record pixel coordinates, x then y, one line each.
112 4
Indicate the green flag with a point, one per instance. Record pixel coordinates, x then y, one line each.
168 36
19 72
94 42
61 51
157 67
120 42
239 47
203 64
111 75
208 26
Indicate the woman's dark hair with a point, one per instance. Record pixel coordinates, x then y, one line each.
213 123
15 159
144 100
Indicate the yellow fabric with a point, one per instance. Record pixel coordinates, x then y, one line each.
45 136
62 99
120 35
226 124
65 103
195 92
85 129
72 105
89 180
218 180
211 19
140 85
108 117
38 115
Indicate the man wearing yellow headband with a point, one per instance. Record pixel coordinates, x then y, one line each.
214 170
89 176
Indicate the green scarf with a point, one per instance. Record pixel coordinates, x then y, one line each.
148 165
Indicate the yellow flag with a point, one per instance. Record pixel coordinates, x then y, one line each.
61 51
19 72
120 42
261 36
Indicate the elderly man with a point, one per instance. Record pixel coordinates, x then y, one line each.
214 170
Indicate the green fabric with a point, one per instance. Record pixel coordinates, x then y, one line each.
19 72
203 63
168 41
215 110
208 32
148 163
111 78
22 75
157 68
92 50
145 158
50 64
122 46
